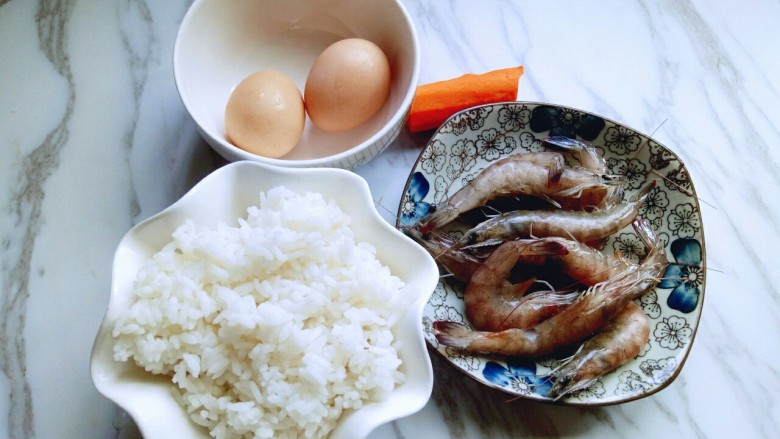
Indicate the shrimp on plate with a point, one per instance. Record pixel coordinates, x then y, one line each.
583 263
541 174
617 343
591 311
582 226
493 303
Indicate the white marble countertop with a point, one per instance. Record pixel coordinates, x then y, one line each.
95 139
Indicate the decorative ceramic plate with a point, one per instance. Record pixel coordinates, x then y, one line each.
474 138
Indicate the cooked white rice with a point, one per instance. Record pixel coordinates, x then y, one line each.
271 328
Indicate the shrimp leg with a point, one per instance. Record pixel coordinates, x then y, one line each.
618 342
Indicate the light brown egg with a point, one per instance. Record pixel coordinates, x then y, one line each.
347 84
265 114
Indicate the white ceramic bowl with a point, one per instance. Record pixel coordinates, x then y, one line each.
220 43
224 196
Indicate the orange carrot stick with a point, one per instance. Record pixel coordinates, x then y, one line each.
435 102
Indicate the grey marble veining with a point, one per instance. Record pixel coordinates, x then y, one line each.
95 139
24 209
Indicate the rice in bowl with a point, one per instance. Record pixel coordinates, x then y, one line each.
273 327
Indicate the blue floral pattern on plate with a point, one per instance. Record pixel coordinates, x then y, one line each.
412 206
519 375
474 138
562 121
685 275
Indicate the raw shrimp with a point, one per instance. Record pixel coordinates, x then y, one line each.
583 263
617 343
594 308
530 174
582 226
541 174
493 303
580 262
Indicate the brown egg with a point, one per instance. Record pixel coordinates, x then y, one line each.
265 114
347 84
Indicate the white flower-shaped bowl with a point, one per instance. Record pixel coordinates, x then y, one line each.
220 43
224 196
473 139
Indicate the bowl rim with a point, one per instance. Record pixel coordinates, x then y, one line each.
396 119
424 280
563 402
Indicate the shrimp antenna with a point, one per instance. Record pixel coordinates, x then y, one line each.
668 180
688 265
647 138
378 204
570 235
658 127
564 361
682 188
697 266
443 253
448 249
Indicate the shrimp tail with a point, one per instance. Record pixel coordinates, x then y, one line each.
641 193
438 218
453 334
555 171
645 232
563 142
588 155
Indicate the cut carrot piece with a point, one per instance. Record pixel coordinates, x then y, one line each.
434 103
